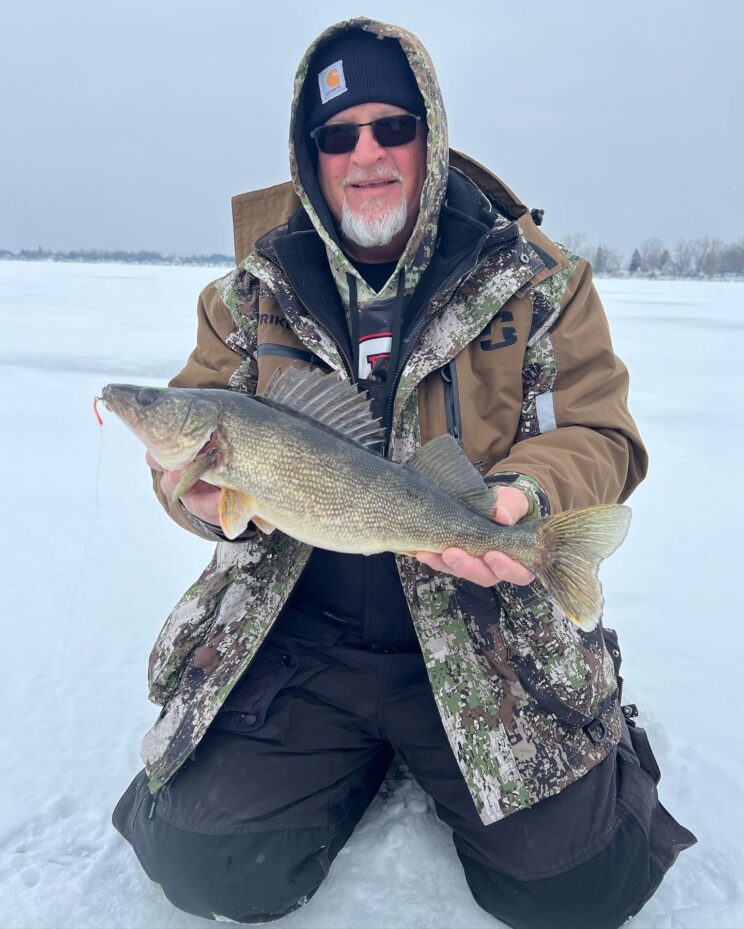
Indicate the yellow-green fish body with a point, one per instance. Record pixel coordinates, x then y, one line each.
300 459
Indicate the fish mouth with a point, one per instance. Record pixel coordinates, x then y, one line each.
118 397
108 397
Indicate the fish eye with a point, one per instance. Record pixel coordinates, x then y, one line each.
147 396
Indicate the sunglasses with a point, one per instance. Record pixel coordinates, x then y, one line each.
342 138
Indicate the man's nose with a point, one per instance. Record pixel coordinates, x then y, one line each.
368 149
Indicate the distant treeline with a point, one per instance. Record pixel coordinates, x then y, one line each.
704 257
99 255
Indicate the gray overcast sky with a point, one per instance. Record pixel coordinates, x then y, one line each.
129 124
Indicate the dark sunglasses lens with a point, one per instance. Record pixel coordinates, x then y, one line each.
337 139
395 130
341 138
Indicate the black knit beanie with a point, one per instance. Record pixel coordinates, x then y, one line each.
358 67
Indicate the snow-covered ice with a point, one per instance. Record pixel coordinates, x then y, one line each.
90 568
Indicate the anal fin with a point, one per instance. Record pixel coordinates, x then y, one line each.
236 511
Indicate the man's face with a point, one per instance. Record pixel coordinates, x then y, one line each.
373 190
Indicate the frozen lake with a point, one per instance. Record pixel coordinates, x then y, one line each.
91 567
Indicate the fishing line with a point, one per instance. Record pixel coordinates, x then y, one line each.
89 534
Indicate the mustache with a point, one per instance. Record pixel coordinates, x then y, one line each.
361 176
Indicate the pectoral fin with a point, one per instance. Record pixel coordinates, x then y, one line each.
192 474
263 525
236 511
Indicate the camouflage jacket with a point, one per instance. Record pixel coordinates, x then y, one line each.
513 355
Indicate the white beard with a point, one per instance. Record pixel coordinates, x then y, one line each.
373 231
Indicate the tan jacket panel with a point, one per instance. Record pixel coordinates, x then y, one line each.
597 455
257 212
211 364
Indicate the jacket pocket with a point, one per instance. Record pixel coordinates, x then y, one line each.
247 706
284 351
568 672
571 691
186 628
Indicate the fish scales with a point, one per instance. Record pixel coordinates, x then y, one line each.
340 496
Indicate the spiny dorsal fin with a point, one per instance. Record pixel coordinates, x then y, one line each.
323 397
442 461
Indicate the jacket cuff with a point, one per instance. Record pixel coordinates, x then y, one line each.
207 530
539 505
203 528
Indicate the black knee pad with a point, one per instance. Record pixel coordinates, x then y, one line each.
599 894
250 877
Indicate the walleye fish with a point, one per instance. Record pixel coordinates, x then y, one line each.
301 458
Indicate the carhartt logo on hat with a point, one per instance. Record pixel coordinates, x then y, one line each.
332 81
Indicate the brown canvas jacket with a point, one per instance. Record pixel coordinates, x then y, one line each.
542 403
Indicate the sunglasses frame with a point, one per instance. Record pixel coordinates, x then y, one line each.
314 135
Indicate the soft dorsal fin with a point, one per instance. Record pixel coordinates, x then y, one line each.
335 403
443 462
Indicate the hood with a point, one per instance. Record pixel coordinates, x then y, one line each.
420 246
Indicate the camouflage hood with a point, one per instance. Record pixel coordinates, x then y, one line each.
420 246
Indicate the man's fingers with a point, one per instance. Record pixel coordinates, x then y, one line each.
508 569
457 562
204 505
168 481
493 568
471 569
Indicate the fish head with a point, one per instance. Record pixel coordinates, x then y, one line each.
174 423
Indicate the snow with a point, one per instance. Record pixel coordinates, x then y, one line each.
91 567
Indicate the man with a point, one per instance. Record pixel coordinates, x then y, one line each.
289 677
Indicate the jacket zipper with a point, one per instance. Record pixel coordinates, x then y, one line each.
452 410
455 279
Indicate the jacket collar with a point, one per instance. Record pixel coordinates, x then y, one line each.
508 204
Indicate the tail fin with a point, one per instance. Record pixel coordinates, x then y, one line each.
571 547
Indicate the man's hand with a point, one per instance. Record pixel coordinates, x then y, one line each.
202 500
511 505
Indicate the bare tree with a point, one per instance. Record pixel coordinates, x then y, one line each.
732 258
576 242
683 257
606 260
706 255
652 254
700 254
